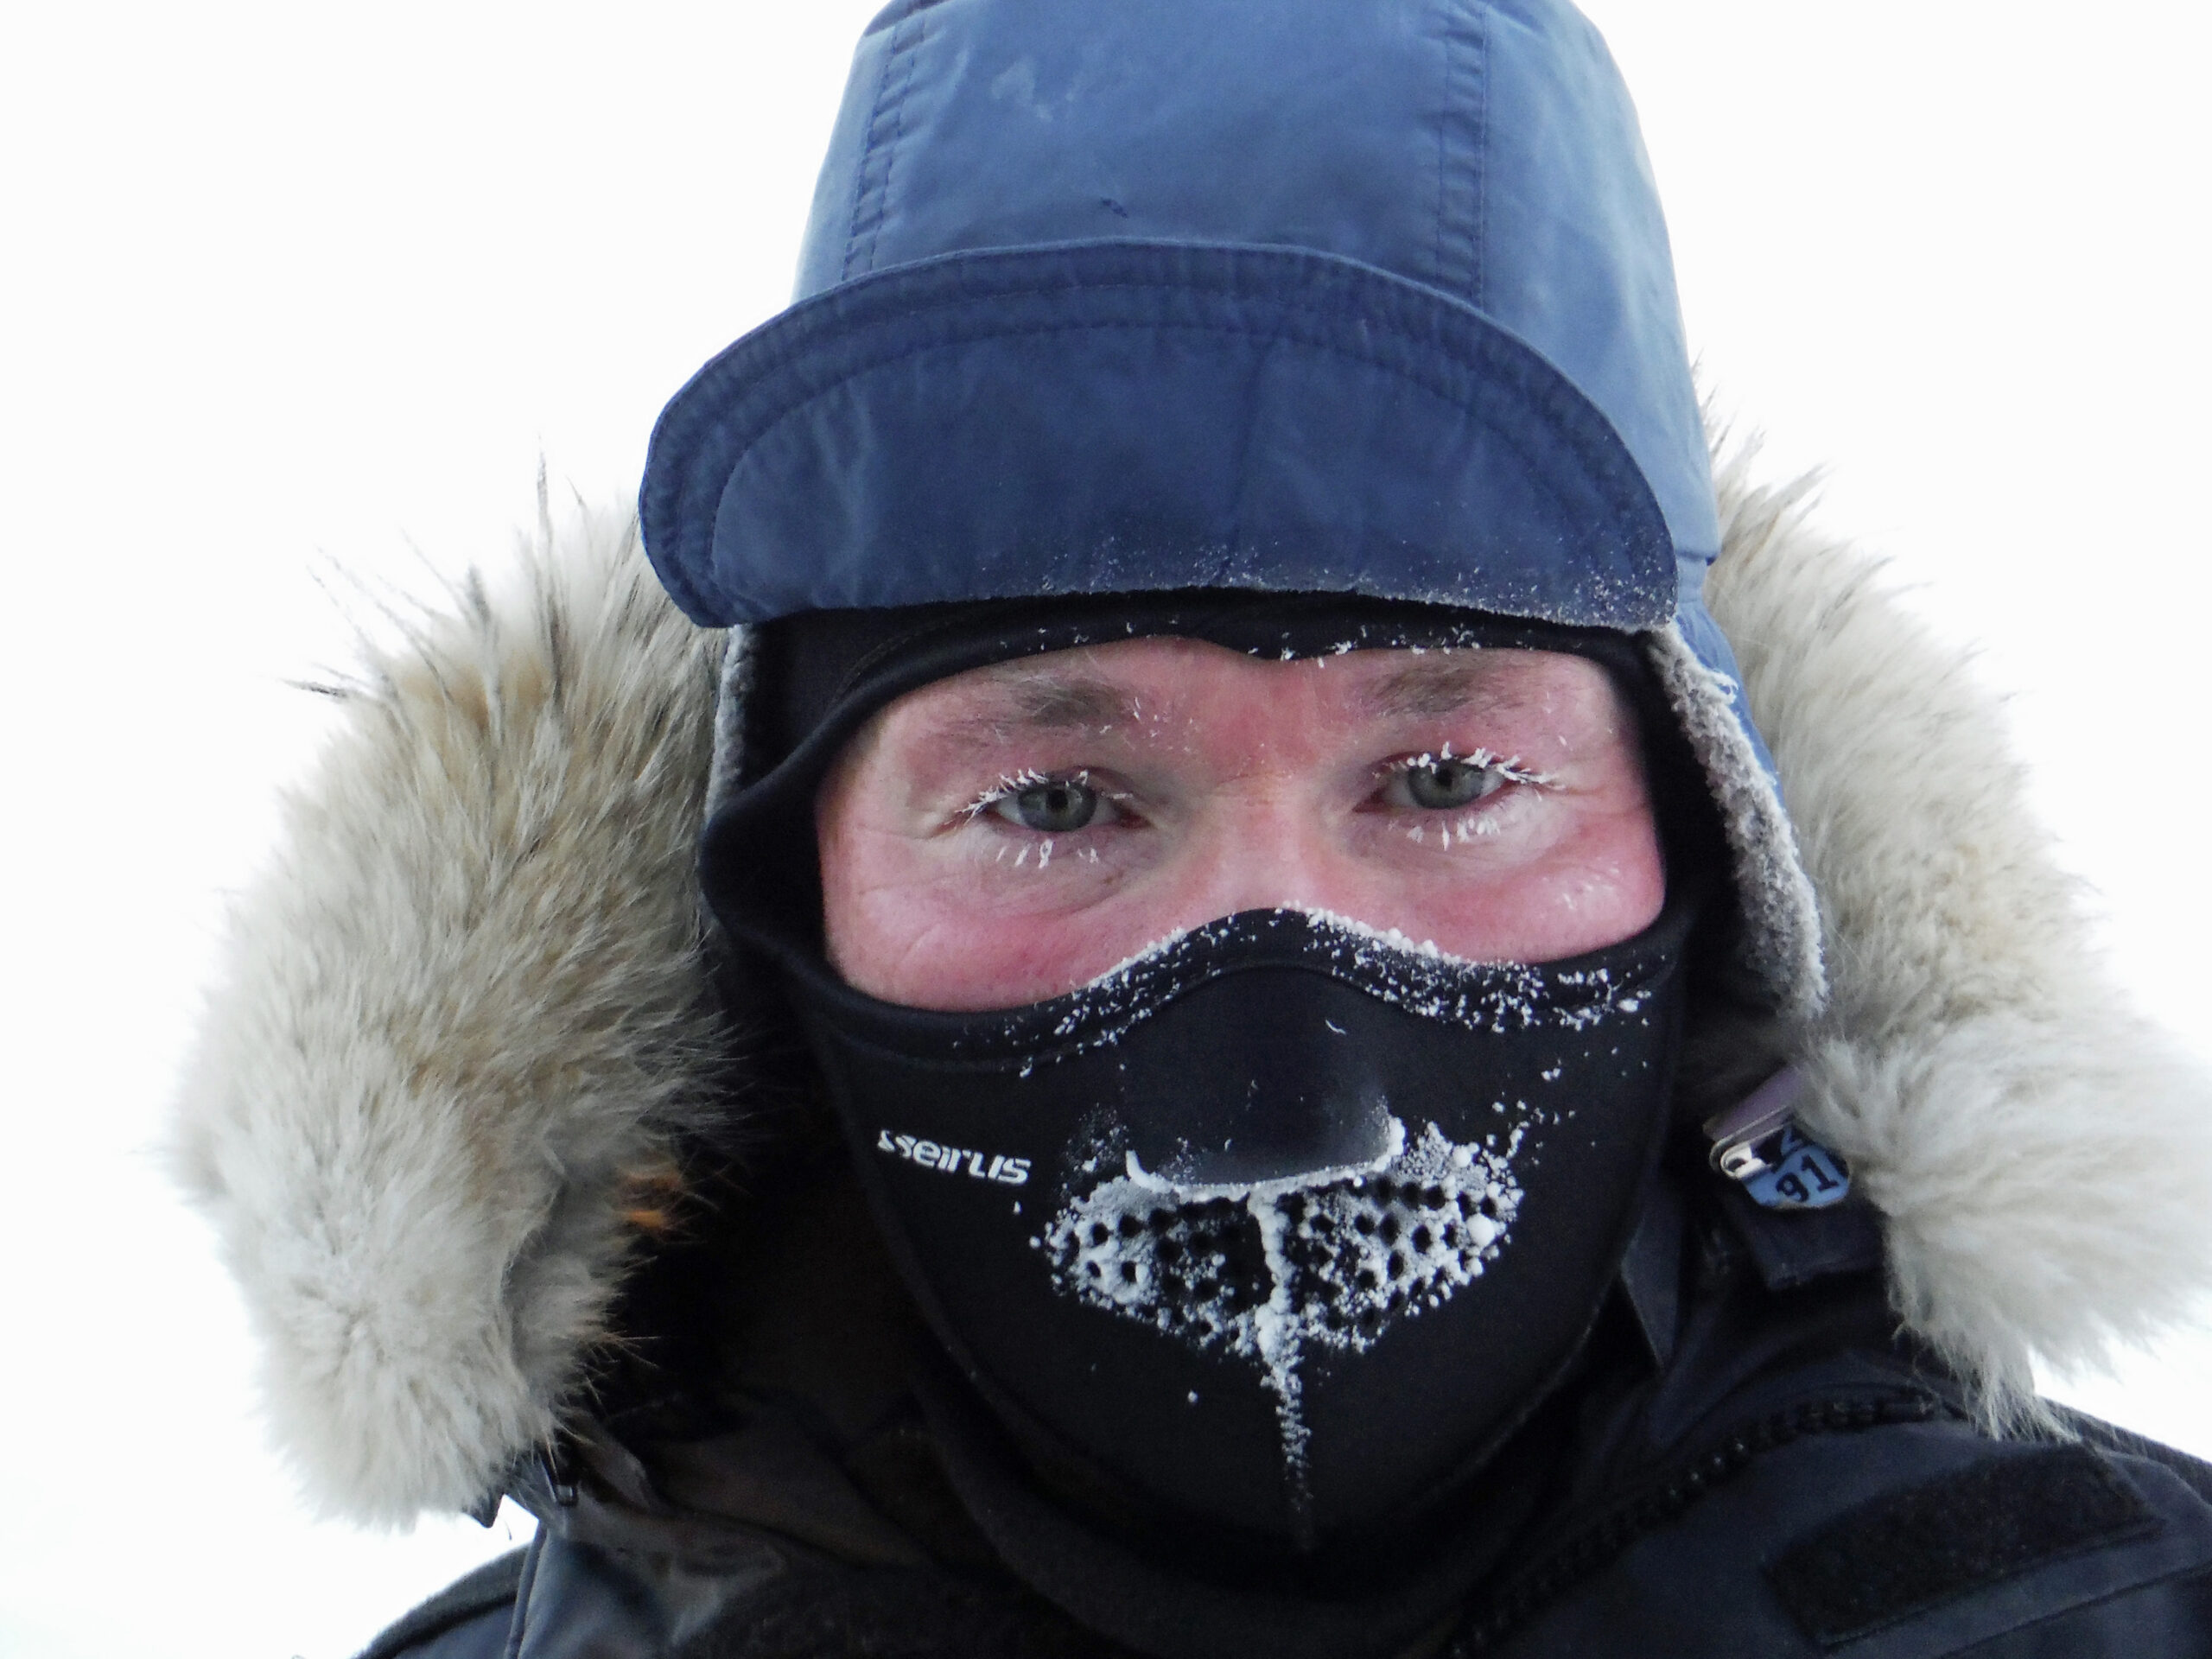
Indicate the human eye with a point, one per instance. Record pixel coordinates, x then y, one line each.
1049 805
1444 782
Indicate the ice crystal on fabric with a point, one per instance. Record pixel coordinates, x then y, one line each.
1267 1270
1415 975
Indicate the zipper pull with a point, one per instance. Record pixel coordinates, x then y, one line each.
1758 1145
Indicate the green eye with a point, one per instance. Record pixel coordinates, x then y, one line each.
1056 807
1440 785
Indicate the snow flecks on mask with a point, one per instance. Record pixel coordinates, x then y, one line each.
1418 975
1409 973
1331 1259
1360 933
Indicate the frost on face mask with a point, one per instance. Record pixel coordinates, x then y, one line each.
1329 1259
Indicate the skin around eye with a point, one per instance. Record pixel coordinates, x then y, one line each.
1008 835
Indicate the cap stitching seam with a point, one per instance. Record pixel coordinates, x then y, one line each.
892 107
1464 44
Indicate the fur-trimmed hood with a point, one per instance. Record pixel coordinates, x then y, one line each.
465 1014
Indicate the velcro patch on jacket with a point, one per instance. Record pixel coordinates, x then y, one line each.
1905 1553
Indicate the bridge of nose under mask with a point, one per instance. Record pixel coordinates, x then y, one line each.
1300 1095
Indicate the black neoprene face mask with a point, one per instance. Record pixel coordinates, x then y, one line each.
1283 1226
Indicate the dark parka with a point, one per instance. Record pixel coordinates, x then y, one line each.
1789 1480
531 1195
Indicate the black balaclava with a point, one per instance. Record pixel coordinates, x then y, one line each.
1278 1232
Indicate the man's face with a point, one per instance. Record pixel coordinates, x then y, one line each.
1008 835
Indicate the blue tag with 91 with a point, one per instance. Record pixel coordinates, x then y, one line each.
1800 1175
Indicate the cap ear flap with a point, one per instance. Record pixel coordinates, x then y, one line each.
1778 952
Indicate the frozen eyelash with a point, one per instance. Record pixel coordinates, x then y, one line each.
1467 829
1012 784
1029 778
1509 769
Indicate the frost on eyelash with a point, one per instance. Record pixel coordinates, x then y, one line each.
1012 784
1467 829
1512 769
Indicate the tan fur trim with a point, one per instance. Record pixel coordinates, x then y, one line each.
2042 1155
458 1016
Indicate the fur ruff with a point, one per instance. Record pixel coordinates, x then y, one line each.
2043 1154
461 1016
464 1012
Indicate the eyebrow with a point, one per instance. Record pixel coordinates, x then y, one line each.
1024 697
1049 700
1444 686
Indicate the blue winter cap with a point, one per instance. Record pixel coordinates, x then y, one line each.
1363 296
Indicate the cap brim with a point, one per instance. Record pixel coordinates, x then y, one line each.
1133 417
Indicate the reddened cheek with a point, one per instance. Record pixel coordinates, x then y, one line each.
935 922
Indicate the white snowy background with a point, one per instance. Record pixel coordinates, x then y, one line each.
282 283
